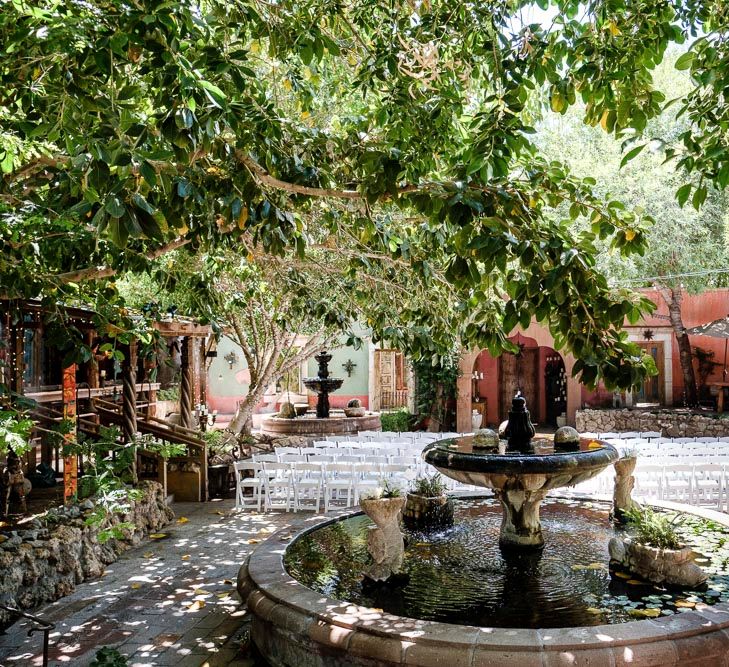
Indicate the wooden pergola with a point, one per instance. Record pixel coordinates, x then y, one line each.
125 396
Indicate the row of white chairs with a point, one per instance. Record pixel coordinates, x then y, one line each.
692 480
655 437
294 486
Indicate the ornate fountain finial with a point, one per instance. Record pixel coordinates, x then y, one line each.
520 429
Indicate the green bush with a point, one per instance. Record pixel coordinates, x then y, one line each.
108 657
430 487
399 420
654 529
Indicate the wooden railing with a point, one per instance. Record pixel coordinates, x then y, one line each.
394 399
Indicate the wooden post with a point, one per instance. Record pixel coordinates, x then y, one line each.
186 384
129 400
70 462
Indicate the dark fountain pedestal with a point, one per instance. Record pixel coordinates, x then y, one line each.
322 384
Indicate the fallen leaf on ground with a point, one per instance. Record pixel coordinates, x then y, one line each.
223 595
149 554
228 581
635 582
136 585
686 604
183 519
593 610
186 557
596 566
201 591
157 536
622 575
198 604
252 541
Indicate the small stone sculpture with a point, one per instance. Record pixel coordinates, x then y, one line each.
13 479
385 542
287 411
674 567
624 483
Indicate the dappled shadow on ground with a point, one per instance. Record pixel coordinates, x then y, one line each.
170 601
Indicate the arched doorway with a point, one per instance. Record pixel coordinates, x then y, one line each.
538 371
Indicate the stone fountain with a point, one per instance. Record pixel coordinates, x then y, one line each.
327 421
322 384
520 472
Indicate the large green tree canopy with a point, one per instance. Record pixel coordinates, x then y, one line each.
131 127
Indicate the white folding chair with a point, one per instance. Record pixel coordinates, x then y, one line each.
678 482
339 481
649 480
247 476
307 481
367 477
277 485
709 484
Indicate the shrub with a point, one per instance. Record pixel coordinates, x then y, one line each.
653 528
399 420
354 403
429 487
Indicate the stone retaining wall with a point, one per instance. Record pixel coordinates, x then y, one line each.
55 553
670 423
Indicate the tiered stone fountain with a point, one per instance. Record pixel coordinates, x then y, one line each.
520 472
327 421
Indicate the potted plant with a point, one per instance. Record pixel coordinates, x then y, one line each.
655 551
385 541
354 408
427 504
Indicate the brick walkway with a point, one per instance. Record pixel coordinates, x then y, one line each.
171 601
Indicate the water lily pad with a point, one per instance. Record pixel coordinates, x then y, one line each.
688 604
644 613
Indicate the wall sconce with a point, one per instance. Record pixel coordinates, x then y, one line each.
231 358
349 367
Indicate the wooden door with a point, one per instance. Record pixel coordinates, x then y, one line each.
384 377
653 389
519 372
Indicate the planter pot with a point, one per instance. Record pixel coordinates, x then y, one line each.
561 421
427 512
354 412
301 409
673 567
385 542
476 419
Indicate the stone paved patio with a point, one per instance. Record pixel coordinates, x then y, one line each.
171 601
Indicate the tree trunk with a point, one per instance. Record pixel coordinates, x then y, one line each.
673 298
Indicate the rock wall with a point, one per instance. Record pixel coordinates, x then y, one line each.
59 551
670 423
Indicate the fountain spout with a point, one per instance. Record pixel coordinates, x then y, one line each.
519 429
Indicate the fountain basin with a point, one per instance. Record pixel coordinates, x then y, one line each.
520 480
296 626
311 426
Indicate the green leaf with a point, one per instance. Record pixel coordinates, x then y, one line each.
114 206
682 194
685 61
634 152
214 93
